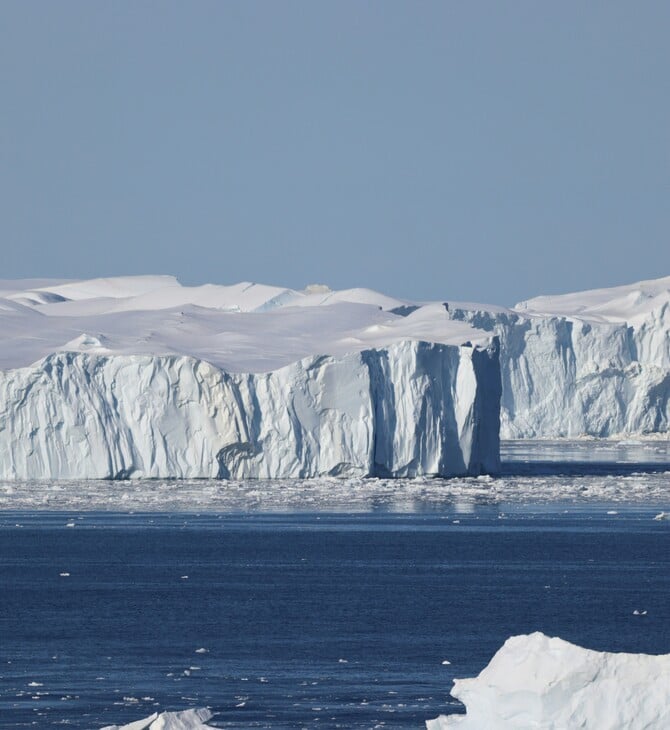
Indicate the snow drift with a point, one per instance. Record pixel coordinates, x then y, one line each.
141 377
595 362
540 682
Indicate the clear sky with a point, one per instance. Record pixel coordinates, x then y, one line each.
487 151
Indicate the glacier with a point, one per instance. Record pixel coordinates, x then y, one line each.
140 377
592 363
542 682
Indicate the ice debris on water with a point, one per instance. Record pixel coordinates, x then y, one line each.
651 486
185 720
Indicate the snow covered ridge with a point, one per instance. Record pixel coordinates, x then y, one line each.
141 377
541 682
595 362
186 720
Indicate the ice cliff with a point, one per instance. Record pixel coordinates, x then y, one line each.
141 377
595 362
540 682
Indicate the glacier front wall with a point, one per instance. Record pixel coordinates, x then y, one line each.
566 377
410 409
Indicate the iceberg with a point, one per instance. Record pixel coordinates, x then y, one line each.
539 682
143 377
140 377
591 363
185 720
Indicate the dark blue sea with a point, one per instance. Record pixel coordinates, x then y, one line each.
308 619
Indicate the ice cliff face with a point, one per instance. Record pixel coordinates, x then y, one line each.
594 363
409 409
255 387
140 376
540 682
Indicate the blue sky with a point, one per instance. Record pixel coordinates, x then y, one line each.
487 151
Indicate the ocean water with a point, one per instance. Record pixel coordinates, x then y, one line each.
322 608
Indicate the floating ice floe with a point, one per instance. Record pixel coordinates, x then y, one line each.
185 720
535 681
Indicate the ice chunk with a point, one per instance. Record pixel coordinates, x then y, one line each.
185 720
541 682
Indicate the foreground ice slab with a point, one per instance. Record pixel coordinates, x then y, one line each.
594 362
141 377
540 682
186 720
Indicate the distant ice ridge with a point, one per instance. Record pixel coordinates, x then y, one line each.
140 377
185 720
595 362
539 682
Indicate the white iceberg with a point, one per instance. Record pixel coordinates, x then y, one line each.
539 682
592 363
136 377
185 720
142 377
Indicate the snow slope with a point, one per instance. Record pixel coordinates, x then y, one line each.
539 682
141 377
595 362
